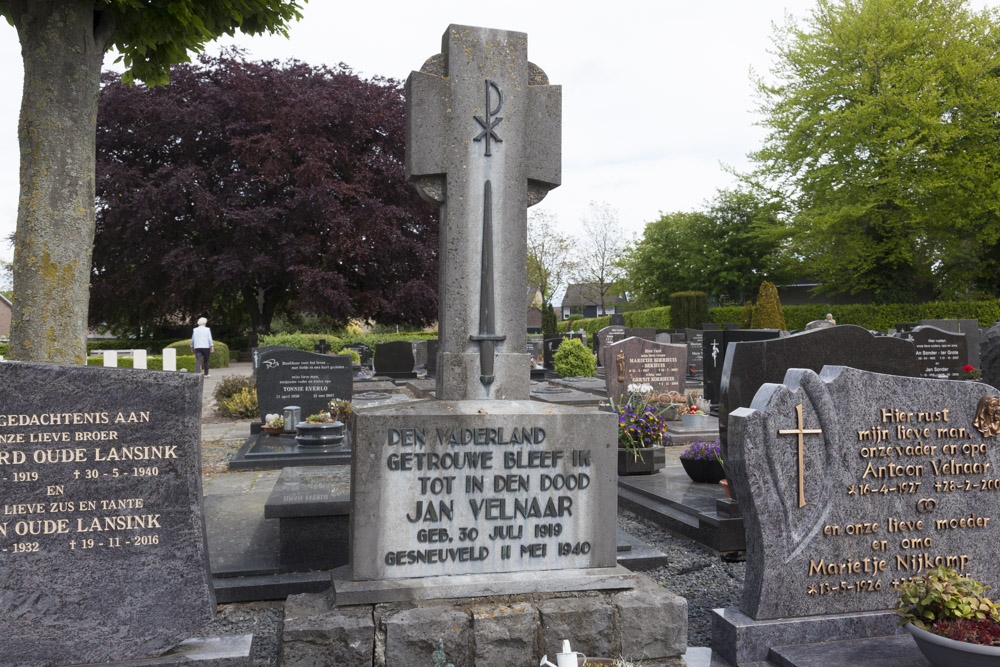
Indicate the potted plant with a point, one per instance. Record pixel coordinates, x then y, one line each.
695 413
969 372
701 462
273 424
641 431
319 430
950 618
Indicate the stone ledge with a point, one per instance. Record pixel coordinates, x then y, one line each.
234 651
488 631
348 592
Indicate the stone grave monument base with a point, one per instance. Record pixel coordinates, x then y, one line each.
739 639
236 651
637 618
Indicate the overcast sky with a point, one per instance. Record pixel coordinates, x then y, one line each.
657 95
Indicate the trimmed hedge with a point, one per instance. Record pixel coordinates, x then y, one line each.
688 310
153 362
218 359
306 342
878 317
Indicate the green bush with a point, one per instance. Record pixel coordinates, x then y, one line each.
746 315
228 388
3 349
242 404
688 310
572 359
355 355
767 312
301 341
218 359
574 317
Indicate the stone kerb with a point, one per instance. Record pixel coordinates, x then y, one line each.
890 477
472 487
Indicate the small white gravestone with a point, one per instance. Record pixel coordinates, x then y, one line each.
169 359
139 359
110 359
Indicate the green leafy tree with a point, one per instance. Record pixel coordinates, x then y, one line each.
601 252
725 250
550 257
63 43
6 271
882 121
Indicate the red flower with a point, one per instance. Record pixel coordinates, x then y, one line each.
968 367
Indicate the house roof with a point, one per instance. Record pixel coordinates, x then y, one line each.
587 294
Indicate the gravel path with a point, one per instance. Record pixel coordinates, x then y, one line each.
694 572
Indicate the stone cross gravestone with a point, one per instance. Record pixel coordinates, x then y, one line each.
483 130
306 379
749 364
663 366
102 543
464 485
850 483
940 354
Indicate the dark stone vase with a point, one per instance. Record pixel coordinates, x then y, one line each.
648 461
707 471
319 435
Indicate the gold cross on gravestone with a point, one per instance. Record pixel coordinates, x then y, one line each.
800 432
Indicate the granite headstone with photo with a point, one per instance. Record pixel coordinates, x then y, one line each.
640 361
850 483
102 543
749 364
306 379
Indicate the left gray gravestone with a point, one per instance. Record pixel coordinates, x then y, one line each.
483 140
102 544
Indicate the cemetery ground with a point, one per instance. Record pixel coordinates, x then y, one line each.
692 571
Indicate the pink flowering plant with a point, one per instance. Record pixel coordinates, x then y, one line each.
640 421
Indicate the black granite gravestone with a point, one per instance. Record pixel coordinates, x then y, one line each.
696 352
969 327
419 354
716 348
102 543
364 350
940 354
617 320
749 364
305 379
395 359
646 333
432 352
257 351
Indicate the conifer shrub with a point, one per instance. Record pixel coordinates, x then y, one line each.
228 389
572 359
242 404
767 313
746 315
549 322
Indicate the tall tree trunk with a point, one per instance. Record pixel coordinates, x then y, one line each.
62 47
